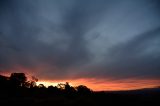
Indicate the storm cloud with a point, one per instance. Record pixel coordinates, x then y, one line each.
59 39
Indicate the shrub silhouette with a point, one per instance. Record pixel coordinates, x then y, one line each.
41 86
82 89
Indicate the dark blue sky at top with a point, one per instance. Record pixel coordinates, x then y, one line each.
60 39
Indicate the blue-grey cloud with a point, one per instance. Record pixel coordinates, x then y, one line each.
87 38
135 58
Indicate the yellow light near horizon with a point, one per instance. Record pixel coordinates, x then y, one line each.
51 83
47 83
110 85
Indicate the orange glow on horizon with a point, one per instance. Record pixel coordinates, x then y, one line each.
102 84
106 85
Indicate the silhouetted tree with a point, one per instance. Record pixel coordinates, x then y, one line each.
41 86
18 79
81 89
50 87
67 86
32 82
53 90
69 89
61 86
17 85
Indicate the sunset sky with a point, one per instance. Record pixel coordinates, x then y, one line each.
103 44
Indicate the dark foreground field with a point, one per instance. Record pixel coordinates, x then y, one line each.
16 90
127 98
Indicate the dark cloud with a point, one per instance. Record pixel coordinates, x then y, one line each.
87 38
138 57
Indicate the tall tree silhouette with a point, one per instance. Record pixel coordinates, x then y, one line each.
18 79
69 89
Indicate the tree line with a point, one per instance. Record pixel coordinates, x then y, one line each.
18 84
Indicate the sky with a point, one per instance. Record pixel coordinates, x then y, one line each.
104 44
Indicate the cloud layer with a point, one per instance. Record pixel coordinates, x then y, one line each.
81 39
